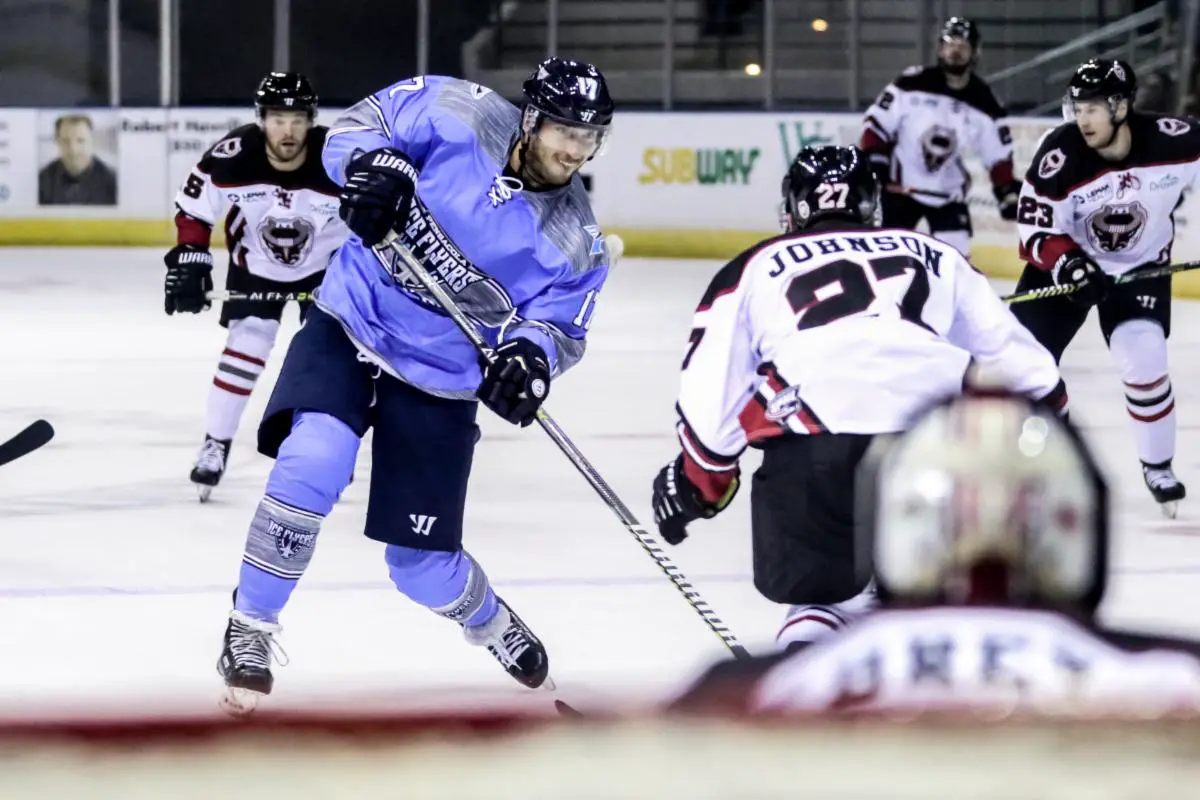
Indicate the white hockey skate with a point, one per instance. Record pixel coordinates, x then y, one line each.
210 466
1164 486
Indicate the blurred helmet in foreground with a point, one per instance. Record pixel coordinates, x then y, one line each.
988 499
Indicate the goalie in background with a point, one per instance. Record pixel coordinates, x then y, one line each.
986 526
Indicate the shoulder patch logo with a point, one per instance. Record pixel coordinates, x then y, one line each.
1173 127
1052 163
597 240
227 148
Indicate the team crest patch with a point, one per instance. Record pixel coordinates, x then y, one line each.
290 543
1173 127
1052 163
227 148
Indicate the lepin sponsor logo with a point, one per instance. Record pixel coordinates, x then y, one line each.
705 166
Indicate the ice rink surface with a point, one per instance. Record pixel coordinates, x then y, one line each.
115 581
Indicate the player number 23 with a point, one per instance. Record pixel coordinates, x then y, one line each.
1031 212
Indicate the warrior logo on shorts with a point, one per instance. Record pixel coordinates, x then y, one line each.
289 542
288 240
938 145
1117 226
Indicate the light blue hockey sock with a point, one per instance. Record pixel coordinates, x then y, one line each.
312 469
450 584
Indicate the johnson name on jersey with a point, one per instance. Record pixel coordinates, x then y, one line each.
1120 212
925 125
282 226
842 331
951 657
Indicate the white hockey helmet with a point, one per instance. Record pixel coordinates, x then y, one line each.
989 498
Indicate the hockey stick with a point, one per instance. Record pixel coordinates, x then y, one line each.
1128 277
25 442
261 297
648 543
896 188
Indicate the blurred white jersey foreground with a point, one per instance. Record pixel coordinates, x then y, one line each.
981 657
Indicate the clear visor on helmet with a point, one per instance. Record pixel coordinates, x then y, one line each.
1074 107
568 136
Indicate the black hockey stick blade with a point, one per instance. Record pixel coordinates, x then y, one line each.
25 442
566 710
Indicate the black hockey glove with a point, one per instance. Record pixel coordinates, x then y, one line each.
676 502
189 279
379 191
516 384
1007 195
1076 268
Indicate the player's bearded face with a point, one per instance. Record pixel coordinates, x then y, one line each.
286 133
1095 122
556 152
955 55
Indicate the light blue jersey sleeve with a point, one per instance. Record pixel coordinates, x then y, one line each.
397 116
558 318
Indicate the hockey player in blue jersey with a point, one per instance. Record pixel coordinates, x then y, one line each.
488 197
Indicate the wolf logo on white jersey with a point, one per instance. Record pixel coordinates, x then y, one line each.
926 125
843 331
988 657
1122 214
283 226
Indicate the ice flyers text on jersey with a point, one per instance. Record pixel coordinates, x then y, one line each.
519 263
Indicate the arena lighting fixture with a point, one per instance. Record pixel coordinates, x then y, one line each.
753 70
820 25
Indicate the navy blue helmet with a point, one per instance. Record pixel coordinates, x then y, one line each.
568 92
830 181
286 91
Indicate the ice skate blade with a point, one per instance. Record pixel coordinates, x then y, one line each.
1170 508
204 492
549 685
239 702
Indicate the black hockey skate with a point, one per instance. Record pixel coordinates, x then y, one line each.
210 465
1166 488
513 644
245 661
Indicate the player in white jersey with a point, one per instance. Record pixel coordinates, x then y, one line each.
917 129
988 524
281 229
1098 201
808 346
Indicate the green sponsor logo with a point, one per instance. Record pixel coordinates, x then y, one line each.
706 166
795 136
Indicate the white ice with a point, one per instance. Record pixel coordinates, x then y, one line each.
115 581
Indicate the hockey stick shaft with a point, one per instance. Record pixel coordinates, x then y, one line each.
261 297
1129 277
896 188
649 544
25 442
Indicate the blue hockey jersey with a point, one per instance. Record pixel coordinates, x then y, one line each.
518 263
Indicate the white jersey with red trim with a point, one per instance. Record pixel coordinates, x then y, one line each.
920 127
953 657
1121 213
282 226
843 331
